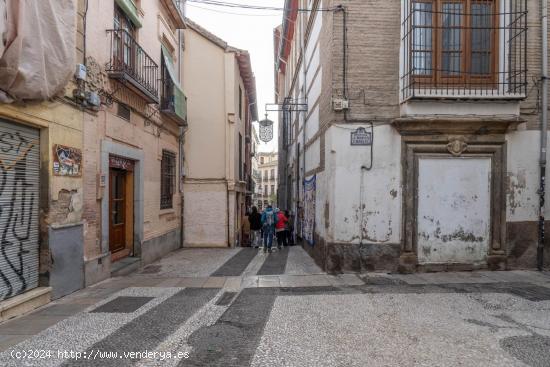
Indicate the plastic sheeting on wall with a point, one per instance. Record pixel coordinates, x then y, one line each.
37 48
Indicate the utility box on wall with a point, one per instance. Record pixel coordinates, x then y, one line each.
67 268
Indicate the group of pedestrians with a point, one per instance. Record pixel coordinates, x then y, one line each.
271 223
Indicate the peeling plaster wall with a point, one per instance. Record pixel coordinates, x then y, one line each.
522 200
454 200
366 205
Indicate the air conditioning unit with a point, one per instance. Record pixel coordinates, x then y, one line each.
340 104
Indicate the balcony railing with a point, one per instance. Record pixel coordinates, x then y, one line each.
464 49
130 63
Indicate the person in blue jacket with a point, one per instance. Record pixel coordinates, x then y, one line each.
269 220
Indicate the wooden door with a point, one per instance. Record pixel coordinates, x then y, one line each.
117 210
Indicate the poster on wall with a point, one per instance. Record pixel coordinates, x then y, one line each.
67 161
308 228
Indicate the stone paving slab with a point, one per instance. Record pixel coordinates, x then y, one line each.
193 262
61 309
232 284
304 280
300 263
275 263
214 282
452 277
29 325
237 264
255 264
267 281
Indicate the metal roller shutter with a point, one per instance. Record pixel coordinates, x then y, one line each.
19 208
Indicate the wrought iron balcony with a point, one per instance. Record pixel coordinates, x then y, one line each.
130 63
464 49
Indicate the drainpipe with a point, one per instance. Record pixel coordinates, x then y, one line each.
181 155
181 177
543 132
304 70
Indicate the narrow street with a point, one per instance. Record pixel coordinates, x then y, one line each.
241 307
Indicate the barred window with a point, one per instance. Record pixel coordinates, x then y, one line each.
463 45
167 179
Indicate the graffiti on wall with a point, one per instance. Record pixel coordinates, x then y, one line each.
308 227
18 213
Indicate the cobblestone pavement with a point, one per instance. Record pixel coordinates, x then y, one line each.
241 307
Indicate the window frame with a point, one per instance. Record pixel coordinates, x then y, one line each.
465 76
125 42
167 173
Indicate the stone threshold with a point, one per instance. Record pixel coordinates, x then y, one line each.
24 303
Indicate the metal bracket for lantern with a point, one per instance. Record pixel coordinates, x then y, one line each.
289 105
266 129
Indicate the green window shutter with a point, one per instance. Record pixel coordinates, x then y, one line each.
131 10
180 100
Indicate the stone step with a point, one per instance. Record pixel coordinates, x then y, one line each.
125 266
24 303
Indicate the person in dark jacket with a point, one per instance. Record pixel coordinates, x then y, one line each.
269 221
289 228
255 220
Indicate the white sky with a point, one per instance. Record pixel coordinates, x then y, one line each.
250 30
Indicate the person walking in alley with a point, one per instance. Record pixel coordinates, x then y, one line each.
255 220
269 220
280 229
289 228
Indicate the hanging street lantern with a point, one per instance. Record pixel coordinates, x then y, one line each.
266 130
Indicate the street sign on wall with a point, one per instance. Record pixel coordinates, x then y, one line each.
361 137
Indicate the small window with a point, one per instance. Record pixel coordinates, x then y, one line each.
167 179
240 103
272 174
240 157
272 189
123 111
261 160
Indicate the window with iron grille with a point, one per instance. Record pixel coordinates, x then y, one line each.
167 179
240 103
240 157
472 48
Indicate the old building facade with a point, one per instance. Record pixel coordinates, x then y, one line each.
221 89
255 166
100 194
267 182
410 132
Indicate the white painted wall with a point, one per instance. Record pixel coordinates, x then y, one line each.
371 214
313 158
522 200
454 200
